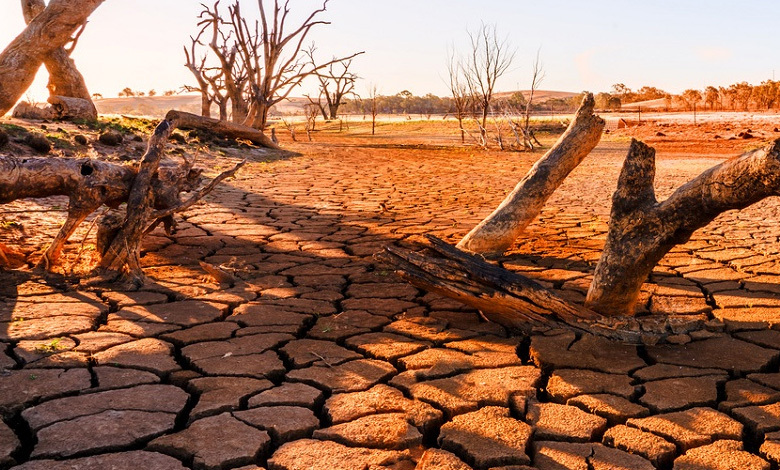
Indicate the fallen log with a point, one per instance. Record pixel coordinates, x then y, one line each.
500 229
229 129
642 230
66 107
151 190
515 301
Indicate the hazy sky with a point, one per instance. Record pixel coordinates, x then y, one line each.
585 45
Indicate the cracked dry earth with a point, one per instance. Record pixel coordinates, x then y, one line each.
319 359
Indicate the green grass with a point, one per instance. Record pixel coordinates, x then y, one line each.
119 124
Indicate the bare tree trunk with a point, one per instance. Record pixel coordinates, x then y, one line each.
64 77
642 230
500 229
47 32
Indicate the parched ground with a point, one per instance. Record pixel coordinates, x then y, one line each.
318 358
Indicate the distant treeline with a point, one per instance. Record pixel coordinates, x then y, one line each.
407 103
736 97
741 96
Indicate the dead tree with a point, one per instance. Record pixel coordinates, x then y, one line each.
152 192
488 59
373 98
50 30
65 80
336 83
536 79
641 231
499 230
461 98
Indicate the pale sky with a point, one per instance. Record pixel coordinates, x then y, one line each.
585 45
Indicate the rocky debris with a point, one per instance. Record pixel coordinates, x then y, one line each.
345 407
215 443
352 376
657 450
720 455
306 454
759 419
487 438
219 394
131 460
690 428
743 357
568 383
290 394
109 378
670 371
283 423
437 459
613 408
9 444
111 138
148 398
386 346
109 431
744 392
306 352
590 352
379 431
564 423
472 390
680 393
19 387
586 456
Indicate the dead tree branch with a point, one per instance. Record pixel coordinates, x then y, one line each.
499 230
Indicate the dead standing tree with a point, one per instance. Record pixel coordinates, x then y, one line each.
64 78
641 231
336 83
50 30
489 57
262 62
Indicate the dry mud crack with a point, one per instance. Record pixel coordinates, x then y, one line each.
316 358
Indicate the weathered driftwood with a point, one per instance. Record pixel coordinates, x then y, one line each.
48 31
515 301
64 78
226 128
500 229
642 230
